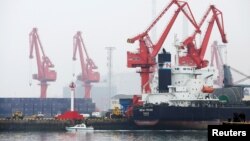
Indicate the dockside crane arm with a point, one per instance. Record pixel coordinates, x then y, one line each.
78 45
43 63
88 75
33 40
189 16
147 51
197 54
218 18
35 44
156 47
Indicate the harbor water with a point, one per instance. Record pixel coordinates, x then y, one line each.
169 135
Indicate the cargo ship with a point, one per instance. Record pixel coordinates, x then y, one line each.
185 98
180 95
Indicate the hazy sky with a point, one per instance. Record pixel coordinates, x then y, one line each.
103 23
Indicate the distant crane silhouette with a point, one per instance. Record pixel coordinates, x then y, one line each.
43 63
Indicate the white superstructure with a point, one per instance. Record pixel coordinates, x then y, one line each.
188 85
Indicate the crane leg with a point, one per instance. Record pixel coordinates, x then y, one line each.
145 84
44 86
87 90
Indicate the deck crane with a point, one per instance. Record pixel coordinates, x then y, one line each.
87 76
44 64
195 56
145 57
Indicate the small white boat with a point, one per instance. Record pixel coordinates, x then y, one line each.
80 127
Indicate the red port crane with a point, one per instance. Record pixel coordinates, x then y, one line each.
43 63
145 57
88 75
195 56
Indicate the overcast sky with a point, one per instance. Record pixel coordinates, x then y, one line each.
103 23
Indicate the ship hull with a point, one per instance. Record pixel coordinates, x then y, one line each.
186 118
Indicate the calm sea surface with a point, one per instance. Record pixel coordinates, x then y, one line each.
106 136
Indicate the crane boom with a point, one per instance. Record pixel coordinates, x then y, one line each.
145 58
87 76
195 57
78 45
43 64
177 2
220 25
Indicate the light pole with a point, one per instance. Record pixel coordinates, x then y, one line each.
109 59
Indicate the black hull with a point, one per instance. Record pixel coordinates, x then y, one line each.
194 118
171 113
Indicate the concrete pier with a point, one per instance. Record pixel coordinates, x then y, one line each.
33 125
